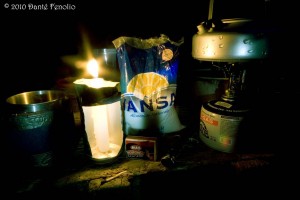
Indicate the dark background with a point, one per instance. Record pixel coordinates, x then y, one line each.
34 42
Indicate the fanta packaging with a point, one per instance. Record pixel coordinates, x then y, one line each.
148 83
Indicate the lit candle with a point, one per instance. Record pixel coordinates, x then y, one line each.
96 82
97 117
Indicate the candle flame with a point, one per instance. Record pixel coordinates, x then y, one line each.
92 67
86 60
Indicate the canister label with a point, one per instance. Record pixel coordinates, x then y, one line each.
219 131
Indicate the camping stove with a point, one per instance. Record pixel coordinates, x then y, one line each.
238 47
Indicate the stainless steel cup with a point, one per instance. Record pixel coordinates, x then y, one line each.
39 127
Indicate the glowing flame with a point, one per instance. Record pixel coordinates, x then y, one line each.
90 65
85 61
93 68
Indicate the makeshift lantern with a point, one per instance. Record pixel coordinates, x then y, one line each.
101 109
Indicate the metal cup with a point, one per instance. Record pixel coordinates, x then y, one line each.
39 127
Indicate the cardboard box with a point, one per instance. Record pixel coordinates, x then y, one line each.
141 147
